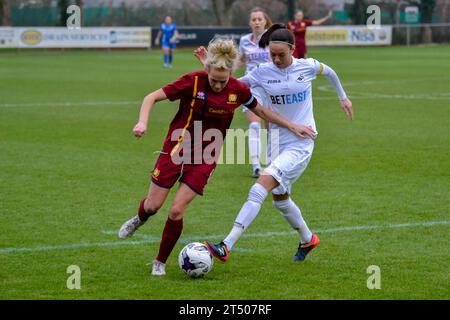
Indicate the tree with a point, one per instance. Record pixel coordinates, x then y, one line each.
62 12
290 8
309 8
426 10
277 10
223 9
5 12
358 12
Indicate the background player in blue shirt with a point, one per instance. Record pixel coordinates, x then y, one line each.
168 34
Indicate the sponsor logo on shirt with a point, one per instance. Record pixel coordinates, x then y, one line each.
273 81
258 56
218 111
289 98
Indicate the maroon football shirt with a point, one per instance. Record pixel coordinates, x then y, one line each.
199 103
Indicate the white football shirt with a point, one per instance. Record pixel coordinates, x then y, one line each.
254 55
288 92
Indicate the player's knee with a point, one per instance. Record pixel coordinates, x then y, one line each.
280 197
176 211
151 206
281 205
257 193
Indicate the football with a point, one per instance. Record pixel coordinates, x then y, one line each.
195 260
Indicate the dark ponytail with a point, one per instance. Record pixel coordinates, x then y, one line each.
277 32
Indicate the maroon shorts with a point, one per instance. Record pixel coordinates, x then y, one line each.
195 176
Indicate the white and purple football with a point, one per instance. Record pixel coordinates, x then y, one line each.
195 260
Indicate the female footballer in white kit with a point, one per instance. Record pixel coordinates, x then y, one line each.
252 55
287 86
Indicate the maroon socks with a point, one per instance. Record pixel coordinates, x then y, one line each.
142 214
171 233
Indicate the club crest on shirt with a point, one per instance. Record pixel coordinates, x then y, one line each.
201 95
300 78
232 98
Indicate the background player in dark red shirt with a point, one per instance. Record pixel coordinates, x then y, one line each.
208 100
298 27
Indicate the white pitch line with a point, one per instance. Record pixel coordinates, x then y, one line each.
152 239
355 95
325 88
69 104
375 95
92 103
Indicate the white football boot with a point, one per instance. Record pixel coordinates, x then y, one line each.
159 268
129 227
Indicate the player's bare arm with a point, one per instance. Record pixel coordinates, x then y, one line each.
157 38
321 21
270 116
201 54
147 104
347 106
176 36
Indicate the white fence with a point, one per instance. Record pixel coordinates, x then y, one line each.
411 34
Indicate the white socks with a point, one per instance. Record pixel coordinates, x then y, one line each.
254 144
248 213
251 208
293 215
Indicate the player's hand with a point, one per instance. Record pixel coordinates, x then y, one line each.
139 129
346 104
173 39
330 13
157 42
201 54
303 131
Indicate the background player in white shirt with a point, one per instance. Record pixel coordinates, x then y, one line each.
251 54
287 84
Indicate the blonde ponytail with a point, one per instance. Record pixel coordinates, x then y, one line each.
222 54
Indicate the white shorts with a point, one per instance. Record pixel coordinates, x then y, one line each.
289 165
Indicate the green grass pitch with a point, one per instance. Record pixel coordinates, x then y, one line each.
376 190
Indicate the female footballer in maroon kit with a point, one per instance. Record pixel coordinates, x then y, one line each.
298 27
208 98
